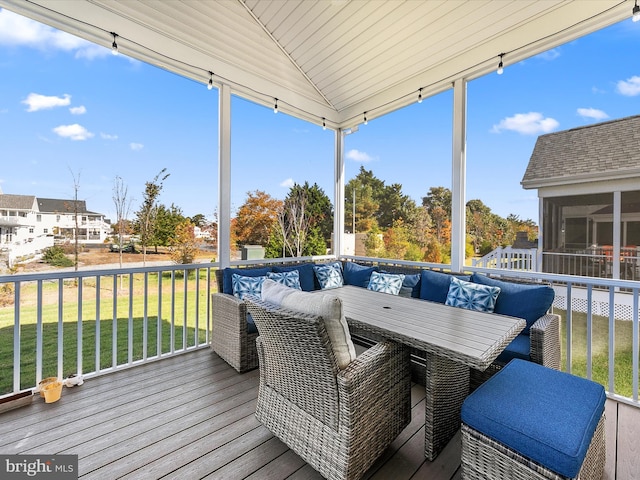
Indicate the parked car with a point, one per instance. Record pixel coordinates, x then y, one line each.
126 248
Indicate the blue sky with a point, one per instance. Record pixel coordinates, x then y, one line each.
69 109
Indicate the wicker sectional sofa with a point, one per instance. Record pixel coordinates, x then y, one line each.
234 333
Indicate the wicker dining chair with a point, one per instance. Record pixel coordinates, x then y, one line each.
338 421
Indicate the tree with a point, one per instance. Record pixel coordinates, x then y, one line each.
199 220
122 203
304 223
76 230
146 216
255 218
394 205
183 244
167 219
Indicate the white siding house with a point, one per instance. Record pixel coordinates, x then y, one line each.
29 224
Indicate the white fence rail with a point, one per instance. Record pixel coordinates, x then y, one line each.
509 258
136 315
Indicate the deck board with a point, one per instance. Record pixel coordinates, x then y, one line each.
189 416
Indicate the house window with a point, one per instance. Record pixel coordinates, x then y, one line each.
38 218
57 218
46 230
30 229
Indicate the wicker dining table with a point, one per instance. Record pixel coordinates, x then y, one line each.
454 339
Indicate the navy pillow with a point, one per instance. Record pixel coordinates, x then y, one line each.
227 276
411 286
529 302
434 286
307 276
356 274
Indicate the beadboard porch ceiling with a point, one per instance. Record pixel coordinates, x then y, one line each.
332 59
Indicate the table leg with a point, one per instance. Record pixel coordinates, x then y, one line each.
447 385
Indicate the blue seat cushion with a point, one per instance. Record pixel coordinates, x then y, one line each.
545 415
434 286
356 274
227 276
307 276
520 347
529 302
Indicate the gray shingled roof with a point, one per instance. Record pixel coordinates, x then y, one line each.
55 205
595 152
17 202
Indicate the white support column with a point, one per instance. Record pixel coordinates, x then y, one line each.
224 176
539 256
617 220
338 194
459 175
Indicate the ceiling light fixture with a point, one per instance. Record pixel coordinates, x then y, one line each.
636 12
275 107
114 45
500 65
366 122
210 85
324 123
420 96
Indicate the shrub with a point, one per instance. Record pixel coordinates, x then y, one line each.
55 256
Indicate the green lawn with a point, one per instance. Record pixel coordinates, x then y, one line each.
623 358
184 321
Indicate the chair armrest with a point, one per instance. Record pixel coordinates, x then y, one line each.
545 341
377 379
228 325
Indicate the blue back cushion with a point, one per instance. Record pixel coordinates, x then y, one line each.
227 276
434 286
544 414
358 275
307 276
529 302
411 286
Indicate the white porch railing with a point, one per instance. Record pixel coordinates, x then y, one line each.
127 316
136 315
509 258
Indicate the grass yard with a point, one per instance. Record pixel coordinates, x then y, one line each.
178 313
623 357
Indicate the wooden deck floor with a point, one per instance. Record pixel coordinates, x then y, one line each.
188 417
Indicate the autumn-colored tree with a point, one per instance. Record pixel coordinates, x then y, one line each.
256 217
183 243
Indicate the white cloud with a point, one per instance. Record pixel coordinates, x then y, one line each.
629 87
136 146
288 183
107 136
35 102
532 123
592 113
81 110
358 156
74 132
549 55
16 30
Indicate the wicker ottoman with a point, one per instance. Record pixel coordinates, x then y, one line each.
532 422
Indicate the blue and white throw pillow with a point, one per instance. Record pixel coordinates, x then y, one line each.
243 286
386 282
472 296
290 279
329 275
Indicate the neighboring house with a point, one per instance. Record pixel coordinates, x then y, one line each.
59 216
29 224
588 182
